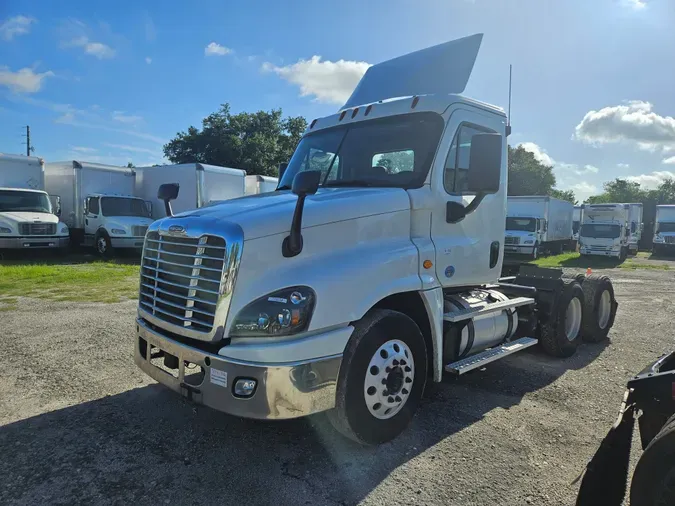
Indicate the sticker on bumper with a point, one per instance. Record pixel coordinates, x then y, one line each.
218 377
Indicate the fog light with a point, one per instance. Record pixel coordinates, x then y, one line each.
244 387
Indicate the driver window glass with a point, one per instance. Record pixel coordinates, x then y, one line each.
93 205
455 175
395 162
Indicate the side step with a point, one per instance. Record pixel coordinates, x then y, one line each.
493 307
485 357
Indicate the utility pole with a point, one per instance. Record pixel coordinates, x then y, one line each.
29 148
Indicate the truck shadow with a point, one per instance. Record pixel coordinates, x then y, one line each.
149 446
75 256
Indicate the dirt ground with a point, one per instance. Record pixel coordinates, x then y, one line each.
80 424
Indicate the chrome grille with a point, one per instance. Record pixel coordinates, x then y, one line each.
181 279
670 239
512 240
37 228
138 230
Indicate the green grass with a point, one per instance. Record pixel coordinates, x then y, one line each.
91 282
575 260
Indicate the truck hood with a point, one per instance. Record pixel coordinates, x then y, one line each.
15 217
519 233
271 213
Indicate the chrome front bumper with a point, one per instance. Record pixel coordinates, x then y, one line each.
127 242
283 390
33 242
519 249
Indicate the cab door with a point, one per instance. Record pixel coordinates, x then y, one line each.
469 251
92 216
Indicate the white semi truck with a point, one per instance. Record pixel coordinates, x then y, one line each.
536 224
610 230
664 229
99 204
352 284
28 217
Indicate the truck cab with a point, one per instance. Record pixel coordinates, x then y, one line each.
664 229
524 234
374 265
29 220
608 230
115 221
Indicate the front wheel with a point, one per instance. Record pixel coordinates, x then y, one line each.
382 377
535 252
102 245
623 255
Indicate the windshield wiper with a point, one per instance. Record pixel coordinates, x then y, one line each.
349 182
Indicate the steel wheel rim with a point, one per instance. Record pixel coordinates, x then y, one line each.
604 309
573 319
389 379
102 245
535 252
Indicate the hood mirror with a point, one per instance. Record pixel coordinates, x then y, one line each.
168 192
304 183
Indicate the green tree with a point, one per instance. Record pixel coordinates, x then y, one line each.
130 165
529 176
564 195
256 142
397 161
619 190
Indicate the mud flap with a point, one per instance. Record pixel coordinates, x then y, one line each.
606 475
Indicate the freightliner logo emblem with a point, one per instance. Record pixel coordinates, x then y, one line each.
177 229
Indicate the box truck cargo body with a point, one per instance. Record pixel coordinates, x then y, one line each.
200 185
664 230
537 223
99 204
260 184
28 216
576 222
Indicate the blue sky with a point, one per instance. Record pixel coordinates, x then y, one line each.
112 81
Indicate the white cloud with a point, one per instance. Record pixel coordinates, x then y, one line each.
542 156
653 179
635 4
669 161
97 49
633 122
129 119
82 149
215 49
25 80
327 81
538 153
583 190
132 149
623 166
148 60
18 25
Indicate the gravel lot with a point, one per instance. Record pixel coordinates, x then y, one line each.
80 424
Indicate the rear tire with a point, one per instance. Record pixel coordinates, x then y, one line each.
599 308
367 406
653 482
561 334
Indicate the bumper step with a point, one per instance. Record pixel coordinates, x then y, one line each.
487 356
465 314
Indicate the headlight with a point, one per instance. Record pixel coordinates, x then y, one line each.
64 229
658 238
528 242
118 231
281 313
5 230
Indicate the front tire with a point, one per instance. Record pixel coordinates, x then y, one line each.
623 255
103 245
653 482
535 252
382 377
561 334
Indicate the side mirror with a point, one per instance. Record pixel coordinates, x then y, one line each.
304 183
57 207
168 192
148 206
282 169
86 206
485 162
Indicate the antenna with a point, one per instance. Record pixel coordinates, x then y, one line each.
508 117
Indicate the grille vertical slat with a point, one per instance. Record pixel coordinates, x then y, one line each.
512 240
139 230
181 279
670 239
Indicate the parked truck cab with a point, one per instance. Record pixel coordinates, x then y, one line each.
664 229
374 265
611 230
29 217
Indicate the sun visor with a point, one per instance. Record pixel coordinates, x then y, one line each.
442 69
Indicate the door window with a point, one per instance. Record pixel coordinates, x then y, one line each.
455 175
93 205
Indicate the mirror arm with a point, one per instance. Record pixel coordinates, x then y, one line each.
456 212
475 203
292 244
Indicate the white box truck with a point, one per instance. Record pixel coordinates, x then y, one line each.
260 184
28 216
610 230
576 223
200 185
349 288
536 224
99 204
664 229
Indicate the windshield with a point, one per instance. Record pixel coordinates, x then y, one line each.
15 200
575 227
116 206
665 227
395 151
522 224
600 231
